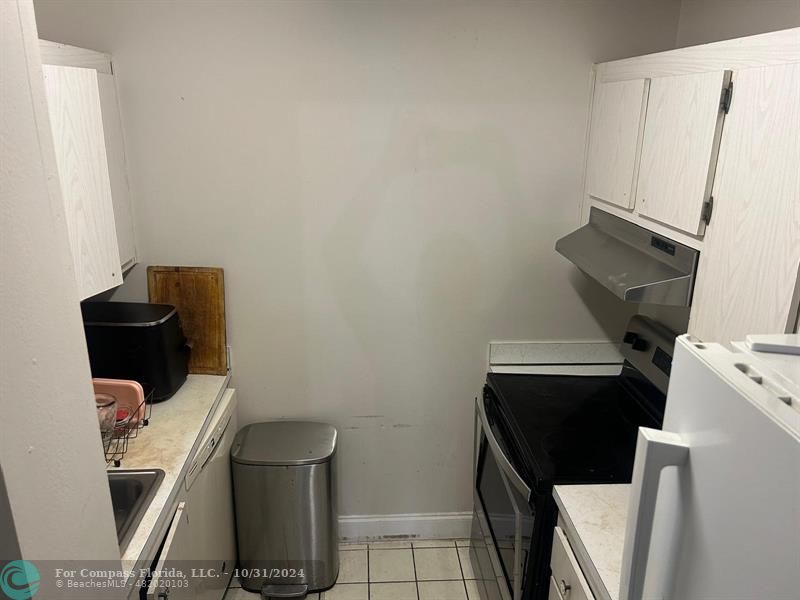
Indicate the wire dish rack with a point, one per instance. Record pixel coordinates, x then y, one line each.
129 422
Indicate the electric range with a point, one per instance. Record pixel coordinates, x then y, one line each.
555 418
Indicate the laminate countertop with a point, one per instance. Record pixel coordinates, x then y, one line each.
169 442
594 517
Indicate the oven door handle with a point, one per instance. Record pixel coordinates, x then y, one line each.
502 460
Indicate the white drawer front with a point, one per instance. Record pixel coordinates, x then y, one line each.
567 577
552 592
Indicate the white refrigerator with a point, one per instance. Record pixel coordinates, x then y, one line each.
715 497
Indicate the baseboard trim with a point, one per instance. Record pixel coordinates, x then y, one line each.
403 526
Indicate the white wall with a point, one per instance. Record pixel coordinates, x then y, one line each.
52 462
383 183
703 21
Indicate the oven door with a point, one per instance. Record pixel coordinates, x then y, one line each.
503 517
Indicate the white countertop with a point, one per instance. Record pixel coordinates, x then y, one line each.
168 442
595 517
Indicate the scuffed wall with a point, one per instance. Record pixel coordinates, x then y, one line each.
383 183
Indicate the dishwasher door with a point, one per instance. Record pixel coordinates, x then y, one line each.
210 498
175 555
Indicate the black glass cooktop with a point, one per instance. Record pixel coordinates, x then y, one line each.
575 429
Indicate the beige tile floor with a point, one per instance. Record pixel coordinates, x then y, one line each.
415 570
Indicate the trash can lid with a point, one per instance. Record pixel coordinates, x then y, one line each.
284 443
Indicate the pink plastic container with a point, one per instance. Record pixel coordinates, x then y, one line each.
129 395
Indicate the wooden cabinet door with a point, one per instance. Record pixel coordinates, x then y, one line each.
117 170
566 572
614 137
679 148
747 279
77 125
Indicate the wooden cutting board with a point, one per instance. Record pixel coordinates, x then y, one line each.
199 295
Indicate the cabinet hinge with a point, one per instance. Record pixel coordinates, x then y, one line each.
708 208
726 98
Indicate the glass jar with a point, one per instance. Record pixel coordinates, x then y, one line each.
106 413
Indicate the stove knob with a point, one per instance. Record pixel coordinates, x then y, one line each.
640 344
630 337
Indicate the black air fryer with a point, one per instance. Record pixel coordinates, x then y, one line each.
139 341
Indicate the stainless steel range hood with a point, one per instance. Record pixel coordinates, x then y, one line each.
631 261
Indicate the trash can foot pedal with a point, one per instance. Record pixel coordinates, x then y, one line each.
270 592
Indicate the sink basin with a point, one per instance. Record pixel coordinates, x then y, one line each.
131 493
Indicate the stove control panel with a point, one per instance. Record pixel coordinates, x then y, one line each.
648 345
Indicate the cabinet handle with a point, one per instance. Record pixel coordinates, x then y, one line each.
564 588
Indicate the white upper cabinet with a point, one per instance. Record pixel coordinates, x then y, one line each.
117 171
747 281
615 134
77 126
679 148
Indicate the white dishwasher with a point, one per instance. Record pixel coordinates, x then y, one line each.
210 502
201 539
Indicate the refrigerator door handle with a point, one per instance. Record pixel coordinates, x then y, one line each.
654 450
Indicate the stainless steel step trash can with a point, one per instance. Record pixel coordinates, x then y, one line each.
284 487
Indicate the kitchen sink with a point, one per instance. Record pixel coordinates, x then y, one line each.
131 493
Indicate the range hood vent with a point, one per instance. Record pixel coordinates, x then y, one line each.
634 263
